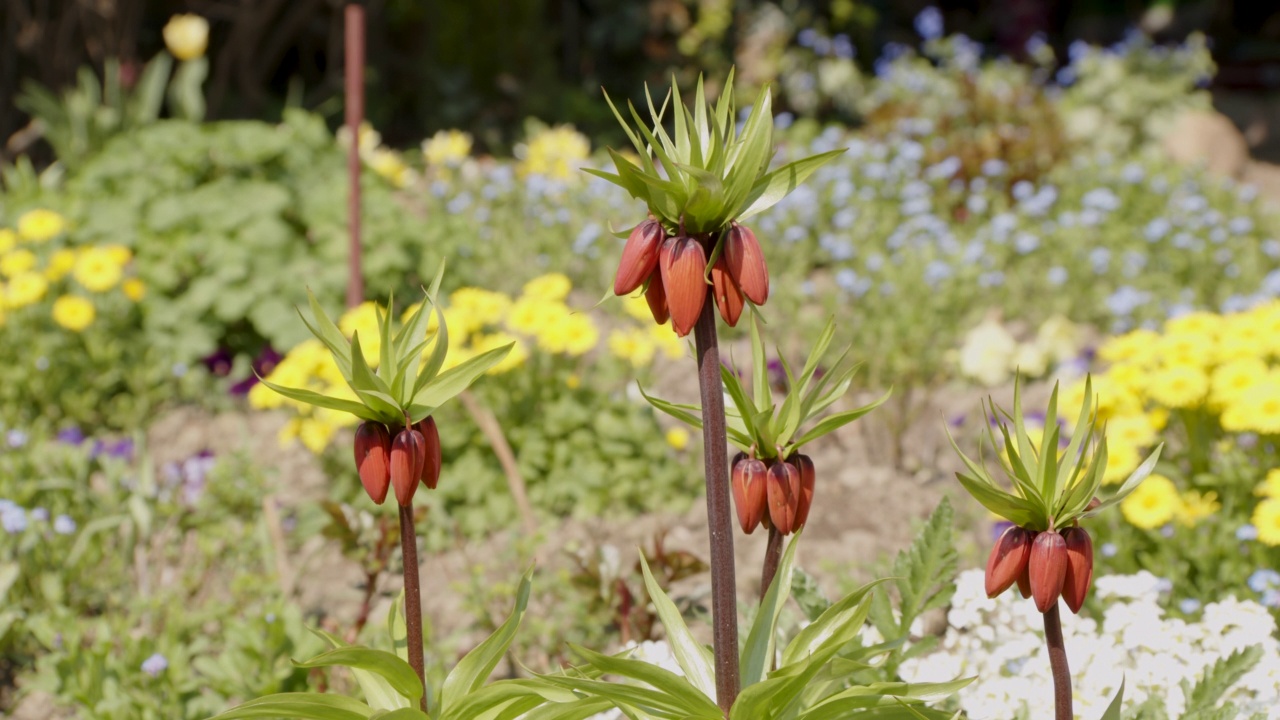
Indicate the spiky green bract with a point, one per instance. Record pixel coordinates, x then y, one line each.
924 576
1218 678
1050 488
710 172
757 424
391 689
404 387
811 682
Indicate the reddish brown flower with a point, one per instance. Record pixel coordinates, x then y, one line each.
431 448
683 262
804 465
1024 580
729 298
746 263
1075 588
1047 569
783 484
639 256
656 296
373 457
1008 560
408 455
749 494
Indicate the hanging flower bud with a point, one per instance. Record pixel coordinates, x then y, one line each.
431 448
373 458
803 465
729 297
683 262
1024 579
746 263
1047 569
656 296
783 485
749 494
639 256
408 454
1079 567
1008 560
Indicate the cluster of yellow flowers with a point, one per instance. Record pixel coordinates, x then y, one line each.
30 265
447 148
1157 502
555 152
639 345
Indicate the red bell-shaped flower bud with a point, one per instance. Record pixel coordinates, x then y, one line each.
433 459
639 256
1079 567
1024 580
373 459
729 298
656 296
683 262
748 476
746 263
783 484
408 455
1047 569
804 465
1008 560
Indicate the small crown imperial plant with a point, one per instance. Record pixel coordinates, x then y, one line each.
712 177
772 482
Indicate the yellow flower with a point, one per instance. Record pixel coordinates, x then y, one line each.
134 289
678 438
1266 518
1244 336
1178 386
530 315
97 270
637 307
1133 430
1270 487
40 225
573 335
1187 349
389 165
667 341
8 240
60 263
25 289
552 286
555 152
1122 459
1196 507
17 262
447 148
119 253
1159 418
634 345
481 307
1154 503
515 357
1233 379
186 36
314 433
73 312
1135 346
1196 323
1255 411
573 382
262 397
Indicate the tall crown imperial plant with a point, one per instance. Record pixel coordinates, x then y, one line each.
1051 489
701 177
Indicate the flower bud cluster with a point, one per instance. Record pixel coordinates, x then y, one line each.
1044 565
397 457
672 269
774 492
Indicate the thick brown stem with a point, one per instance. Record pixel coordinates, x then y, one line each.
772 556
724 601
412 597
354 80
1058 664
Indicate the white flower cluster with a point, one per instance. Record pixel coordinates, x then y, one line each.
1001 641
